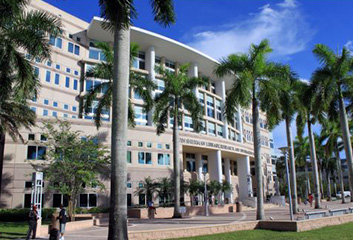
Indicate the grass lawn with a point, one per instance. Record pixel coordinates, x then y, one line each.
340 232
13 230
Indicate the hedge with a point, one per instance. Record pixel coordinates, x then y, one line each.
21 214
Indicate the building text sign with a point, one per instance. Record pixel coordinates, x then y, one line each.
220 146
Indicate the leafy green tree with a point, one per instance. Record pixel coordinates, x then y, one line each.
302 152
149 188
226 187
332 79
21 32
331 135
72 163
142 85
253 85
177 95
196 187
164 189
308 115
118 15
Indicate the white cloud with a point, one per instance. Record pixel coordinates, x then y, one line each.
283 24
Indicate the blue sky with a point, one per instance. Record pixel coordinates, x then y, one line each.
221 27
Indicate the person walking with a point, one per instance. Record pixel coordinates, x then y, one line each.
33 217
62 220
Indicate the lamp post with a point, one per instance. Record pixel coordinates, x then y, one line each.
205 193
284 151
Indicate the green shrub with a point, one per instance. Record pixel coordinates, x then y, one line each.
21 214
91 210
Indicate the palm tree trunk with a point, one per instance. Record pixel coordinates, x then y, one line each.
307 180
260 213
176 162
321 183
2 152
118 200
329 185
292 167
346 140
340 174
314 165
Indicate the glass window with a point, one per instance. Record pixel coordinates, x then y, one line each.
45 112
76 72
57 79
163 159
70 47
31 137
141 158
204 163
55 114
67 82
159 146
140 144
74 108
66 106
46 101
34 109
210 101
188 123
49 63
142 199
148 158
68 70
129 185
167 146
55 104
93 54
59 43
149 145
43 138
220 130
48 76
89 85
140 116
211 128
77 50
75 84
36 152
83 200
129 143
65 115
36 71
145 158
128 156
57 66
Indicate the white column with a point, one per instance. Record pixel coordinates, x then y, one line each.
150 64
199 166
245 183
227 174
194 72
215 166
221 91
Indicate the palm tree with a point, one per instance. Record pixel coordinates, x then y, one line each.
332 79
118 15
164 186
307 116
253 76
21 32
302 152
214 187
104 70
149 188
195 188
178 94
331 134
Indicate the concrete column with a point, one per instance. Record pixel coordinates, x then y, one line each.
244 175
150 64
215 163
221 91
227 174
198 161
194 72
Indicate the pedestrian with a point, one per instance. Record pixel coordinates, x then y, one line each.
196 200
33 217
62 220
311 198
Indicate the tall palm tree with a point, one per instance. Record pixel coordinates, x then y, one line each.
302 152
21 32
164 186
253 84
331 134
104 70
118 15
308 116
178 94
333 78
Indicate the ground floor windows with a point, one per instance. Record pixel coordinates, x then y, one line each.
27 200
88 200
129 200
142 199
190 162
60 199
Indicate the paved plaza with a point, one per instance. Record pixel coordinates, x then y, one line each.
277 213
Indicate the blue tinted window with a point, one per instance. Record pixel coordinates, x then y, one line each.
49 63
93 54
76 72
74 108
55 114
59 42
89 85
67 82
46 101
57 79
36 71
75 84
68 70
57 66
45 112
66 107
47 77
52 40
77 50
33 109
55 104
70 47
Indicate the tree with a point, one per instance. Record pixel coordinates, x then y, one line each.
164 189
253 84
226 187
196 187
302 152
214 187
20 32
178 95
307 115
118 15
71 162
332 79
149 188
104 70
331 135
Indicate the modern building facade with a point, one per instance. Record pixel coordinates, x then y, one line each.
222 150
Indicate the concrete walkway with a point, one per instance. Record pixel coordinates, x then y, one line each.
278 213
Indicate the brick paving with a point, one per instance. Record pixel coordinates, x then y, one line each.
277 213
